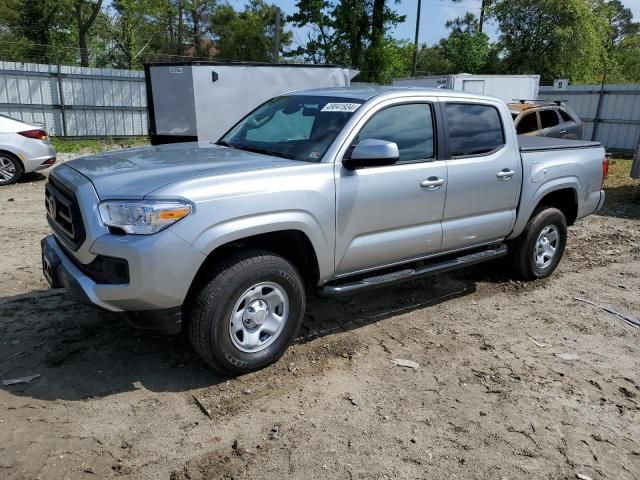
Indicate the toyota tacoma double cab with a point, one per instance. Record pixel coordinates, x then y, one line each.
338 190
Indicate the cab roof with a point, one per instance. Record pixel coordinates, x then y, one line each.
367 93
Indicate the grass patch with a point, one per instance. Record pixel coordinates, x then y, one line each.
619 171
67 145
623 192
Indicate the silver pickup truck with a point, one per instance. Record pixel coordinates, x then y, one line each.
338 190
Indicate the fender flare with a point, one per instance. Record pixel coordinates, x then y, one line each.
544 189
236 229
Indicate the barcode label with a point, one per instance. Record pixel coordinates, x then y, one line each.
340 107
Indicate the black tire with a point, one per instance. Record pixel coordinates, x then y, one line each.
208 313
17 167
523 250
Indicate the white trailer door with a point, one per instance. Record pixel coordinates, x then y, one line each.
173 108
473 86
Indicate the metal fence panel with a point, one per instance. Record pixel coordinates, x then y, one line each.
611 115
99 102
75 101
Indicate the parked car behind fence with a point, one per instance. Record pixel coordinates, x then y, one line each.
24 148
546 119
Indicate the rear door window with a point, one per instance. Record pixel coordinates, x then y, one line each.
473 129
565 116
528 123
549 118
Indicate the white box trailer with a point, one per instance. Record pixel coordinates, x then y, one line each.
506 87
192 101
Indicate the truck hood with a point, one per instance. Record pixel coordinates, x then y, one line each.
136 172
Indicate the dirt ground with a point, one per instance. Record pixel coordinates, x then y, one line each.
514 381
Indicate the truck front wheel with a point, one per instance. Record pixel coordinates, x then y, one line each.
246 312
538 250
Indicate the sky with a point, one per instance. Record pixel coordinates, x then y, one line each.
432 19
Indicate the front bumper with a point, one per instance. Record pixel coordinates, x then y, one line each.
61 272
161 269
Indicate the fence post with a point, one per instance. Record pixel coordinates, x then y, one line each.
62 109
596 120
635 166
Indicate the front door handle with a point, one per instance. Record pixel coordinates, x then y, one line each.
505 174
432 183
562 132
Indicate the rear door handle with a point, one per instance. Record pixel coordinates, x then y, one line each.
562 132
432 183
505 174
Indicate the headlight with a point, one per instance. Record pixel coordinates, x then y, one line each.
142 218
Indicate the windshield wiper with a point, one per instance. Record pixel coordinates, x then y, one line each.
266 151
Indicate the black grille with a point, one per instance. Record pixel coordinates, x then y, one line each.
63 214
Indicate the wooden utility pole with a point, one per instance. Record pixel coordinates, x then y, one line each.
485 4
415 52
276 37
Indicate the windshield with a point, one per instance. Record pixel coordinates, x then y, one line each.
298 127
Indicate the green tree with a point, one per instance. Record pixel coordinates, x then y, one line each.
247 35
352 23
198 15
555 38
432 60
485 6
627 57
620 21
619 43
466 48
350 32
320 46
132 30
172 20
86 13
37 31
397 59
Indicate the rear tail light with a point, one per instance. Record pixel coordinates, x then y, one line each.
37 134
605 169
51 161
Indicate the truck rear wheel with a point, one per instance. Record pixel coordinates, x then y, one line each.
538 250
246 312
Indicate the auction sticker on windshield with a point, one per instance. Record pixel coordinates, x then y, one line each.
340 107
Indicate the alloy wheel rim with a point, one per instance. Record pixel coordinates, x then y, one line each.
546 246
258 317
7 169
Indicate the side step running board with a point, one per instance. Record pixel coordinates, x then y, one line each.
413 273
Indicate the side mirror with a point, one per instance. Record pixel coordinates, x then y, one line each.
372 153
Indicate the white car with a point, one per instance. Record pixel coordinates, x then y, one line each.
24 148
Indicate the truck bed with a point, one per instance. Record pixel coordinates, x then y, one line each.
528 143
